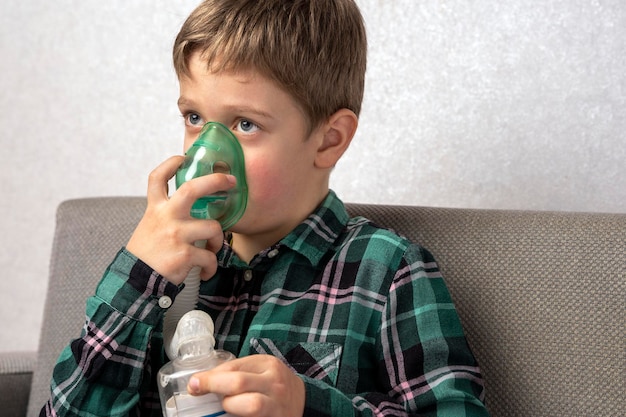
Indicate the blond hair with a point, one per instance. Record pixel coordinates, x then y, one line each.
313 49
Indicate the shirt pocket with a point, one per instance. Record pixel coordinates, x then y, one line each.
315 360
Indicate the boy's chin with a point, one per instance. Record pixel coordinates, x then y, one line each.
239 227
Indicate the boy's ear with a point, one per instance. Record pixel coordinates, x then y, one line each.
337 135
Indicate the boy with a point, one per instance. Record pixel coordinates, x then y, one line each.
329 316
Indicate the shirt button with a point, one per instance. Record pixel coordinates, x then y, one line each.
247 276
165 302
272 253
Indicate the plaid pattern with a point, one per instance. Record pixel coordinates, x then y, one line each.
361 314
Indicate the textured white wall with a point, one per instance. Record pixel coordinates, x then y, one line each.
514 104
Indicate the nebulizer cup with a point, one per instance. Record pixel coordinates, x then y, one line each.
195 347
216 150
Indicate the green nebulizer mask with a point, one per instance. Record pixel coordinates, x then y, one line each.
216 150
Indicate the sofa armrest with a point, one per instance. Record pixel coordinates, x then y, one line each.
16 372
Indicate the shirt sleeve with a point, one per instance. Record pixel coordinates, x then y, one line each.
107 371
425 364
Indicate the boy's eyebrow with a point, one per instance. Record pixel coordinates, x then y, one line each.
250 109
183 101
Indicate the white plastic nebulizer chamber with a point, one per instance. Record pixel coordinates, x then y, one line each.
194 345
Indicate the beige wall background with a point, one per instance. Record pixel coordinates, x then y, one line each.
513 104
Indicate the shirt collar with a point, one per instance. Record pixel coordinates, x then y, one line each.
312 238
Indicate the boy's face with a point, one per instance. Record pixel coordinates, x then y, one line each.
284 185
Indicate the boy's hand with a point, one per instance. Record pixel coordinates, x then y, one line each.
164 238
255 386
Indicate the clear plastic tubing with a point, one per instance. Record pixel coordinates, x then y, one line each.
216 150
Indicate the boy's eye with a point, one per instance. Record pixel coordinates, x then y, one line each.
246 126
194 119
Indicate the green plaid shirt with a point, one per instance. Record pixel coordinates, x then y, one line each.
361 314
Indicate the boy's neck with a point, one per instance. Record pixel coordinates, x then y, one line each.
247 246
244 247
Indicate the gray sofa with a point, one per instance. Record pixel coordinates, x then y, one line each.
542 297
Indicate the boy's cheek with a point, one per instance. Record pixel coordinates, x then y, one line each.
262 192
263 181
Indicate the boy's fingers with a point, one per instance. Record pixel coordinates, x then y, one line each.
189 192
158 178
256 385
215 239
209 231
223 383
207 261
234 377
252 363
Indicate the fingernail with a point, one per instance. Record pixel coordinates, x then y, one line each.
232 179
194 385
